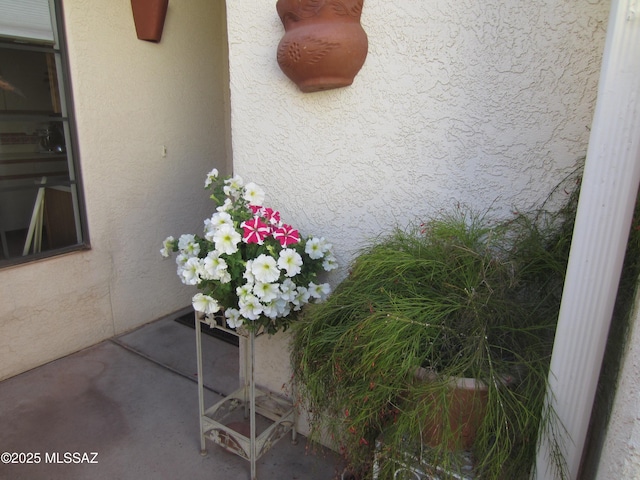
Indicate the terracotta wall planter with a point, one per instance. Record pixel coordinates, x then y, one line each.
324 45
149 15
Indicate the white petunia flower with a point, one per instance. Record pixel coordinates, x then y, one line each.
167 246
225 276
248 275
181 259
330 263
316 247
179 271
226 239
204 303
253 194
209 229
284 307
244 290
290 261
302 298
226 206
185 239
211 225
233 186
319 291
187 244
287 290
234 320
270 309
264 269
250 307
191 271
214 266
266 291
212 176
221 218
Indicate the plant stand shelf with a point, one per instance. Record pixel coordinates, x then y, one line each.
413 466
218 421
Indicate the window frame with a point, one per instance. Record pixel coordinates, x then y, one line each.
60 52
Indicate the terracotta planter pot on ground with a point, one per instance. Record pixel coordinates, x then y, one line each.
467 404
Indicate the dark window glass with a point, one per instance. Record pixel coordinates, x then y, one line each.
40 198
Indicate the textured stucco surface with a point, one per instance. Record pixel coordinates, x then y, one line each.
479 103
131 98
484 104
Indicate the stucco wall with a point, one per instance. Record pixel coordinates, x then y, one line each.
481 103
131 98
486 104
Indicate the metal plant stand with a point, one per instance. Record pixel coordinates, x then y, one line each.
247 400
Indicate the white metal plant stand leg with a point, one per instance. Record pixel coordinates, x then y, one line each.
248 400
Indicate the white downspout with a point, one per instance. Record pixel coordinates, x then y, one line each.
609 188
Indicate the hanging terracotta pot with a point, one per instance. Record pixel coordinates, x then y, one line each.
148 15
324 45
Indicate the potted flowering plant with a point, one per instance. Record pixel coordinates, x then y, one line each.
249 263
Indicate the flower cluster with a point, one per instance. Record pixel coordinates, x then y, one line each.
248 262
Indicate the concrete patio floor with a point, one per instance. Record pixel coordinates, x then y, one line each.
131 405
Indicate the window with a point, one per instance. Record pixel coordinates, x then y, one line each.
41 208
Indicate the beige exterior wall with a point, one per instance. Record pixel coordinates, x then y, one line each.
131 98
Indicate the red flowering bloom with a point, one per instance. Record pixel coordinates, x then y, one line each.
286 235
271 215
254 230
256 209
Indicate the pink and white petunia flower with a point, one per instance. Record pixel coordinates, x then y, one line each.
286 235
255 231
271 215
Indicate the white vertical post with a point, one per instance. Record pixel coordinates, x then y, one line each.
198 325
605 209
